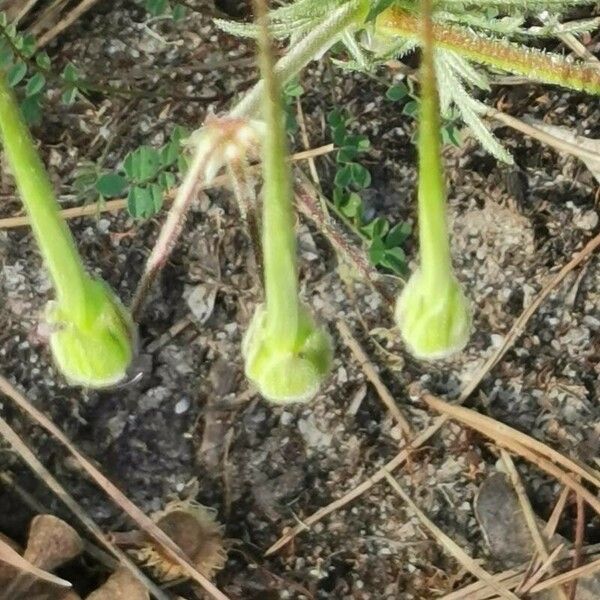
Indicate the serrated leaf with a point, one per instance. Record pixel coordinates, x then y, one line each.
377 7
16 73
111 185
35 85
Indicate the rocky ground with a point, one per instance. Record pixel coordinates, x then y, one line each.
191 427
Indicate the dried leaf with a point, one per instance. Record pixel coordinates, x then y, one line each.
52 543
121 585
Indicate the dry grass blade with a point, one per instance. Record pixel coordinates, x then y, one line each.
515 331
505 437
528 513
496 430
372 375
451 546
579 534
543 136
65 22
36 466
14 559
544 568
557 511
142 520
114 206
583 571
538 540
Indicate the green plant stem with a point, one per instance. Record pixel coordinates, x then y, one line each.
500 54
279 239
52 234
433 230
313 45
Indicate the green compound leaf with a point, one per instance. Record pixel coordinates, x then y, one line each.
360 175
31 110
397 235
144 201
394 259
179 12
157 7
16 73
377 228
35 85
343 177
111 185
69 96
397 92
142 164
352 206
43 60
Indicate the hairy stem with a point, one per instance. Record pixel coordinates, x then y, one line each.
433 231
279 239
500 54
318 41
53 236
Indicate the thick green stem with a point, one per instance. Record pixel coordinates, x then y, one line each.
500 54
318 41
279 239
53 236
433 231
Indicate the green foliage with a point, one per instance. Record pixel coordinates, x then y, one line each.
145 176
403 94
28 71
383 240
483 37
162 8
291 92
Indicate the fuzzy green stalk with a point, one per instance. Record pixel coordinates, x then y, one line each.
93 336
286 354
432 312
499 54
349 15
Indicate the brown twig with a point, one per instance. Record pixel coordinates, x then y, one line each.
451 546
65 22
579 534
36 466
421 438
114 206
372 375
142 520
